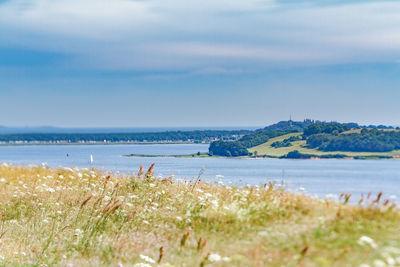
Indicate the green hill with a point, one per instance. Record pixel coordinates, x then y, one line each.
266 149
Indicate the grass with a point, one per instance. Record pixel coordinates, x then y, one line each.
267 150
68 217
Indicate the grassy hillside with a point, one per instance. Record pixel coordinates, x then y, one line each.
268 150
86 218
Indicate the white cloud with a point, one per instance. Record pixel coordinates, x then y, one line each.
209 34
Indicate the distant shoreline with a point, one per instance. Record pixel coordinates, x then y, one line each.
205 155
101 143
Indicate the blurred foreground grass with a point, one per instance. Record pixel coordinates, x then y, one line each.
72 217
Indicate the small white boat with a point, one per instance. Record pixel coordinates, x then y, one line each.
91 159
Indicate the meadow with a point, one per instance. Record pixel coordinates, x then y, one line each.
83 217
269 151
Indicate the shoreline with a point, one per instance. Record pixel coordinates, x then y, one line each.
205 155
101 143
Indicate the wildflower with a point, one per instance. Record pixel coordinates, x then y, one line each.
214 257
107 198
78 231
226 259
142 265
45 221
147 259
263 233
59 212
365 240
179 218
3 180
2 257
51 190
215 203
379 263
390 261
152 185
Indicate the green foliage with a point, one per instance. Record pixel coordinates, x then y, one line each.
239 148
367 141
194 136
297 126
286 142
228 149
327 128
295 154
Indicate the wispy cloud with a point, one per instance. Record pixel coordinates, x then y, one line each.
181 34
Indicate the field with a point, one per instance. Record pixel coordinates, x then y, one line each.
267 150
72 217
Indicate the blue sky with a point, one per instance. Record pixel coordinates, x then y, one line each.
124 63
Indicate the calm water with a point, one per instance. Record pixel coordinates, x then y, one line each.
317 177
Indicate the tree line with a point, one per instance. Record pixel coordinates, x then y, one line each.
174 136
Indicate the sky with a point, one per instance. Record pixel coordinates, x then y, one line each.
171 63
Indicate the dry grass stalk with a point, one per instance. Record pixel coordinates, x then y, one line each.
185 238
201 243
140 172
86 200
161 255
149 174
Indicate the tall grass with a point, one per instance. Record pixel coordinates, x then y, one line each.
89 218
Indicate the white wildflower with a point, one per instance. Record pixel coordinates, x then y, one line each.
152 185
78 232
107 198
179 218
367 241
45 221
226 259
147 259
59 212
3 180
364 265
215 203
263 233
379 263
207 195
390 261
214 257
51 190
142 265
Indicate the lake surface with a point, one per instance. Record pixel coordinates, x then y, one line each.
318 177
